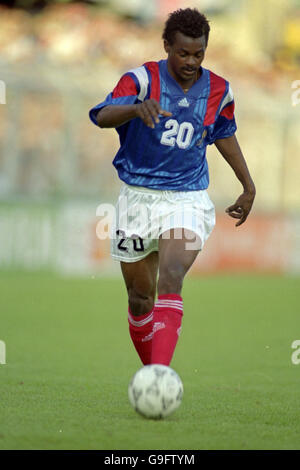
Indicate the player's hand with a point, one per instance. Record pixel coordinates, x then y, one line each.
149 112
241 208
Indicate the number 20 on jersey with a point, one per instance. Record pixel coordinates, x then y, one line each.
177 134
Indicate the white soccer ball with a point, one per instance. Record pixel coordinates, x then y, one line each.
155 391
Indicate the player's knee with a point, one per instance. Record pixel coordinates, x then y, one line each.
140 303
171 279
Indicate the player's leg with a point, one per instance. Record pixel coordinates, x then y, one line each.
137 253
175 259
140 278
176 256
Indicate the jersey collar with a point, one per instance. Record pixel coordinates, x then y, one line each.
195 89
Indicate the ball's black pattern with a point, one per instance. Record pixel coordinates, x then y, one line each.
155 391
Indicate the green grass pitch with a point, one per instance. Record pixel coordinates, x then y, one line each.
69 360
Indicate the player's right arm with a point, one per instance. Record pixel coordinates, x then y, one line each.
116 115
127 101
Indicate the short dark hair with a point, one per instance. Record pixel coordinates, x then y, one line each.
189 22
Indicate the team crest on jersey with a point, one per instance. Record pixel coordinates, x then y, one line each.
184 103
199 142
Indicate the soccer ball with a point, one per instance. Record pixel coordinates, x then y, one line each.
155 391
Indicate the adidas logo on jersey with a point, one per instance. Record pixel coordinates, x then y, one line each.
184 103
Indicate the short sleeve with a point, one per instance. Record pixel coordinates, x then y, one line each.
125 92
224 125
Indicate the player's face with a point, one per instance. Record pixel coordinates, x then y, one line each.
185 56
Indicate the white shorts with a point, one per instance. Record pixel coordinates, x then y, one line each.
143 215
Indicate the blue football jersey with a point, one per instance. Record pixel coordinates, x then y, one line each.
172 156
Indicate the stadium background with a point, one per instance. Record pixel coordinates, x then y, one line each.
65 354
59 59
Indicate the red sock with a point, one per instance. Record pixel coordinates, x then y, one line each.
140 329
167 318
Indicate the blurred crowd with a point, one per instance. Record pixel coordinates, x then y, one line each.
80 33
63 59
75 34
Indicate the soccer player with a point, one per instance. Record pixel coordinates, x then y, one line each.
166 113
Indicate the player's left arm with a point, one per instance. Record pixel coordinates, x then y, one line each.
231 151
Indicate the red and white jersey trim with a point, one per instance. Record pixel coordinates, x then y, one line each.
142 77
227 99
